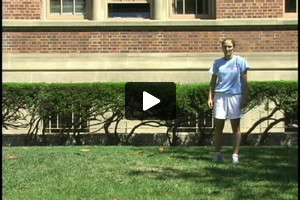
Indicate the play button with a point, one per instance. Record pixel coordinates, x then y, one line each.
150 101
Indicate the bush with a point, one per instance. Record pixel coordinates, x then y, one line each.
27 105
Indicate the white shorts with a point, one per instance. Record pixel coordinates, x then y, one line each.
227 106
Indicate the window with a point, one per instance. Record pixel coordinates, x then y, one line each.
69 122
291 122
76 9
122 10
193 8
195 121
290 8
68 7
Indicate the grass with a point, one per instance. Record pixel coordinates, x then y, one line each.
128 173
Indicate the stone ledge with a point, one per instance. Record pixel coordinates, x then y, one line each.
142 61
150 23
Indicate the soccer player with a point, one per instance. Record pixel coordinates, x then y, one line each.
228 94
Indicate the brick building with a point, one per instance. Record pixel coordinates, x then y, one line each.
146 40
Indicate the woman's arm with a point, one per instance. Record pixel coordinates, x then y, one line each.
211 92
246 90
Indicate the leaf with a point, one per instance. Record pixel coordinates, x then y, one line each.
12 156
23 186
85 150
162 149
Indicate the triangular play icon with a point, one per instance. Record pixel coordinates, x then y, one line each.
149 101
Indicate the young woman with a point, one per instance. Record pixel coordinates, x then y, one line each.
228 94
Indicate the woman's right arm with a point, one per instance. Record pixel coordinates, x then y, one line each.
211 92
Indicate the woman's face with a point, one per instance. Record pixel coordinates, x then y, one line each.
228 49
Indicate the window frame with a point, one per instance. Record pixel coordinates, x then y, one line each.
211 12
290 15
193 123
290 121
129 2
59 127
74 16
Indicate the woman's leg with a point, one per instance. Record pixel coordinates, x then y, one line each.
219 123
235 125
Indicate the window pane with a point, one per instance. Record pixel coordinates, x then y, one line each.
129 10
202 6
53 121
65 121
84 125
80 6
67 6
209 121
179 6
192 120
290 6
55 6
190 7
76 121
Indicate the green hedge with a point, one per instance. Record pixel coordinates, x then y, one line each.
91 100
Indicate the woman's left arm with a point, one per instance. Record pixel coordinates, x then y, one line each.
246 90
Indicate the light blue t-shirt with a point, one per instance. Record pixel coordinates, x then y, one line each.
230 74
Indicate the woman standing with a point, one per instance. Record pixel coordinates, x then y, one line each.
228 94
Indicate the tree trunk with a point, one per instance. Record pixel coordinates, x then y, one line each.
265 133
245 135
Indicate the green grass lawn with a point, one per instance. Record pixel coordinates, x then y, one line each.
126 172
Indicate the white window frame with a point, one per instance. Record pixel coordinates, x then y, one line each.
69 16
290 15
50 129
192 125
210 15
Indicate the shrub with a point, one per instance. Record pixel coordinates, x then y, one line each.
27 105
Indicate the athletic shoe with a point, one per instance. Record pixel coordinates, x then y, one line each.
235 158
218 157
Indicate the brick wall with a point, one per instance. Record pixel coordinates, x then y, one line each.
249 9
147 42
21 9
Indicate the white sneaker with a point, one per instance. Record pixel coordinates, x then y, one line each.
218 157
235 158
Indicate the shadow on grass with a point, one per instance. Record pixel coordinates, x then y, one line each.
262 171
